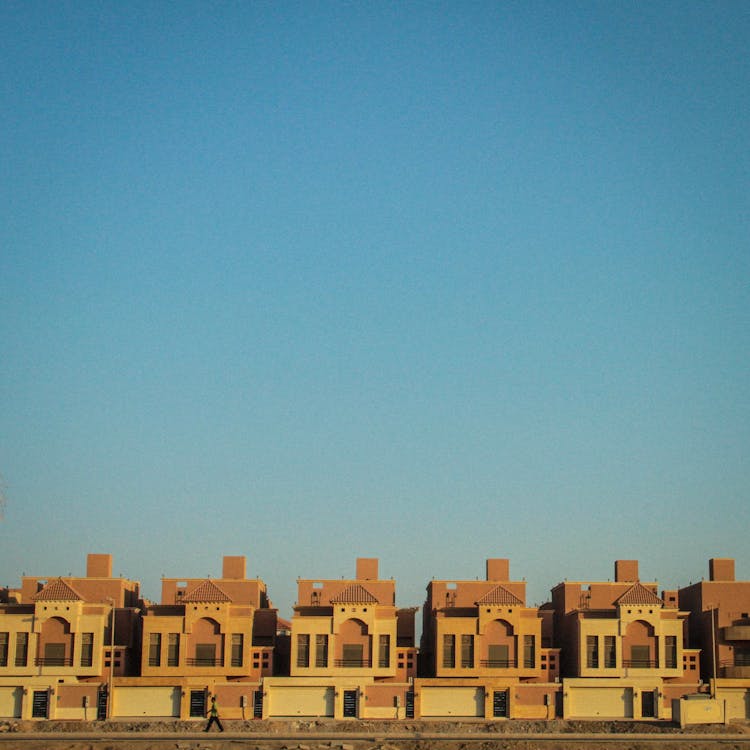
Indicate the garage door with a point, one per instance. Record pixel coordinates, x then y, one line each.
10 702
300 701
458 701
737 702
147 701
607 702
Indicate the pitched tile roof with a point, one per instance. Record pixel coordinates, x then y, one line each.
639 594
354 594
57 591
206 591
500 595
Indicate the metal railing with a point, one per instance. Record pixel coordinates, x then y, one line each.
354 663
499 663
205 662
53 661
640 663
740 660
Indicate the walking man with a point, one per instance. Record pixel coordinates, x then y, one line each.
213 714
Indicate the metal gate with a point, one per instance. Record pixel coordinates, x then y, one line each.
350 704
258 704
500 703
410 704
197 704
648 704
40 704
101 705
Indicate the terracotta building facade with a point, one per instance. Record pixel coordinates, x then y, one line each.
623 647
719 625
486 653
91 648
64 640
353 653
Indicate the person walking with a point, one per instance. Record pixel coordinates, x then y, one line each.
213 714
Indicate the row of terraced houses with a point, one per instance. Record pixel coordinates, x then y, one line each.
90 648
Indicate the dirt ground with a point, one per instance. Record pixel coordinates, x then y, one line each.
347 735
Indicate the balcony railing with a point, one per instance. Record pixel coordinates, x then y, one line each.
640 663
354 663
499 663
737 633
53 661
205 662
737 668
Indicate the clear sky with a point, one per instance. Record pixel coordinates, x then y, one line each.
429 282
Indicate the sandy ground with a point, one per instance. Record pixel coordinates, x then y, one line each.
369 735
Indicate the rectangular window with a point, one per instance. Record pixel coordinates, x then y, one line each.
610 652
467 651
154 650
238 643
205 655
54 655
321 650
303 650
87 649
529 652
22 649
592 651
384 651
640 656
449 651
173 650
670 651
4 649
354 655
499 656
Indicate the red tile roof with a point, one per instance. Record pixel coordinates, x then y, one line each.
206 591
354 594
639 594
500 595
57 591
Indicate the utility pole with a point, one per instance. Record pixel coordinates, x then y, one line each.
111 686
713 652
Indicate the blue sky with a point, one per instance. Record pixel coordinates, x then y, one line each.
428 282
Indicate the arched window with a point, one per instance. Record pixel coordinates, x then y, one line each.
639 646
499 647
55 643
206 643
354 644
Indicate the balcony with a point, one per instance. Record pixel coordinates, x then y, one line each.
353 663
498 663
738 669
640 663
205 662
737 633
53 661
